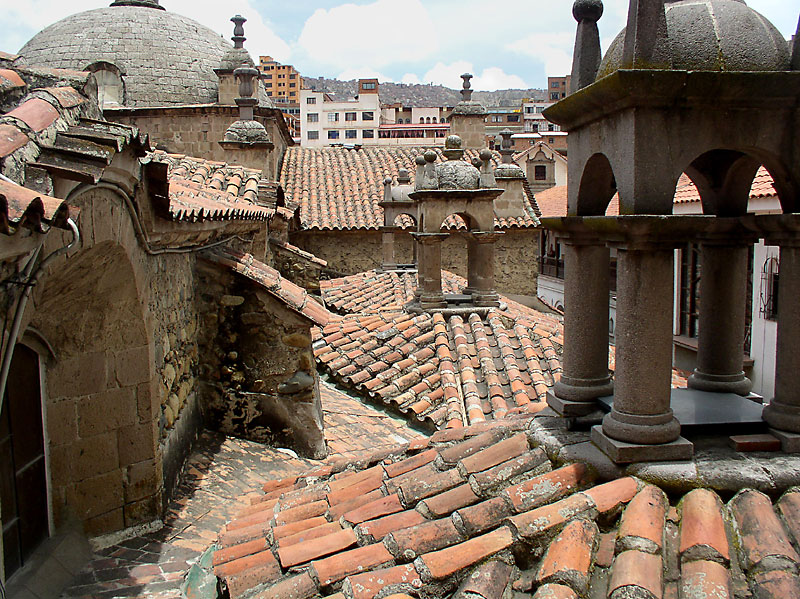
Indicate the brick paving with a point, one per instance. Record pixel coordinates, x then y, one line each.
219 474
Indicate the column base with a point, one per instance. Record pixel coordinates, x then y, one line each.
485 300
720 383
642 429
578 397
621 452
782 417
790 442
570 408
428 302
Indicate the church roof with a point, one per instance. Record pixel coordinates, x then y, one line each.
148 46
340 188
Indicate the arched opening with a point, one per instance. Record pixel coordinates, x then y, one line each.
23 471
598 185
433 120
99 401
110 84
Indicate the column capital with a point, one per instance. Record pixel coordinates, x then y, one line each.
430 238
483 236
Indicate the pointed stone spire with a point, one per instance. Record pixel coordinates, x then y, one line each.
587 55
238 31
646 39
796 49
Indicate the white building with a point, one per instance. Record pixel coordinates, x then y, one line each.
326 122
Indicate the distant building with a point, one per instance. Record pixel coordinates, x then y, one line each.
502 117
558 87
327 121
282 81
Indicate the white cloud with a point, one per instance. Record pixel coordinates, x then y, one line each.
410 78
553 50
386 32
31 16
449 75
362 73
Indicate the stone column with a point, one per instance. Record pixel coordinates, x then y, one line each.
387 239
783 412
480 266
585 360
723 289
430 269
641 417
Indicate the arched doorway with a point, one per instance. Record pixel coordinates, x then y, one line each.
23 472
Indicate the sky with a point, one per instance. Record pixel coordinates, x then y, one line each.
514 44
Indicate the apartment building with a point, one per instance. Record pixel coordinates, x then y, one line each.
327 121
558 87
282 81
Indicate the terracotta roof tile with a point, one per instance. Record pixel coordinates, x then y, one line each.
23 207
291 295
340 188
10 80
67 97
11 139
36 113
206 190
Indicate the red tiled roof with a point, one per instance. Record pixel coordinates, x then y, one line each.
36 113
205 190
10 79
553 202
339 188
23 207
270 279
449 371
481 512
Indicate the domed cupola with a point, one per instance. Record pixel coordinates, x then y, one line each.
712 35
145 55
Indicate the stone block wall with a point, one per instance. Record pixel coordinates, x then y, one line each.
198 131
258 375
471 130
350 252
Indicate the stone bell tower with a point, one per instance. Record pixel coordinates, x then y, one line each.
456 187
702 88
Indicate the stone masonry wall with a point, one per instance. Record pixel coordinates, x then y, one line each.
251 346
199 133
350 252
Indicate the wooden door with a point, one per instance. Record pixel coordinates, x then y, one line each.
23 474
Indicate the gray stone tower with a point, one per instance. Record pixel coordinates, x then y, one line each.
468 119
707 88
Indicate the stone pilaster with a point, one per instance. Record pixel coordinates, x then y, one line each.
480 260
387 244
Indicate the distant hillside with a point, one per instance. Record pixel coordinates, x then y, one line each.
423 95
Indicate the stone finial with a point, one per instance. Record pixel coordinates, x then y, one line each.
505 147
426 171
246 75
238 31
466 91
796 49
387 189
403 177
453 148
485 167
646 39
588 54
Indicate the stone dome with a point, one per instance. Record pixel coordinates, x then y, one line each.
161 58
714 35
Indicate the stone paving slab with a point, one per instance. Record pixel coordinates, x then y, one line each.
219 474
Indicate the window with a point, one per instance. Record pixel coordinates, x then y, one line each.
552 140
551 127
312 117
421 120
311 100
333 117
268 76
769 288
539 109
528 109
367 134
293 76
367 116
333 135
368 86
350 134
555 84
554 95
281 76
434 120
313 135
540 172
497 118
350 116
292 85
513 118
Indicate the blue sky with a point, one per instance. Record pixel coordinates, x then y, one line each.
516 43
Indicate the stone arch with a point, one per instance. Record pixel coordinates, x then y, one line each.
457 220
405 220
110 83
723 178
597 186
101 419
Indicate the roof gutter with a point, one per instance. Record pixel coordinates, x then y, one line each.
31 276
